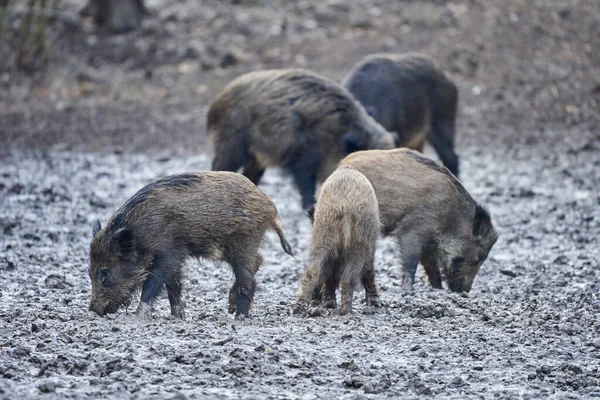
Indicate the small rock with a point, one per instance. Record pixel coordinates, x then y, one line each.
354 381
508 272
21 351
47 387
561 260
544 370
229 60
349 365
54 281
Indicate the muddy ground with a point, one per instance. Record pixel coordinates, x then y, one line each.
109 113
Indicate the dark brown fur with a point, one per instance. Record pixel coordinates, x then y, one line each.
434 218
214 215
344 236
410 95
290 118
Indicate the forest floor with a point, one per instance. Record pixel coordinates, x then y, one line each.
111 112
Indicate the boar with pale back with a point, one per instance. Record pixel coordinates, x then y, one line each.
344 236
213 215
431 214
293 119
409 94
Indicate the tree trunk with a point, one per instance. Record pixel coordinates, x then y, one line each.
116 15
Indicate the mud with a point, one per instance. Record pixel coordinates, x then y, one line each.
528 328
109 113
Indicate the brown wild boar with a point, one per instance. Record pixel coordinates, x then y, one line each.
431 214
290 118
409 95
213 215
344 236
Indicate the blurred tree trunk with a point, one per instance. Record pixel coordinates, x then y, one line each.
116 15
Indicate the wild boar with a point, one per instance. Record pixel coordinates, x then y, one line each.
344 236
290 118
431 214
409 95
214 215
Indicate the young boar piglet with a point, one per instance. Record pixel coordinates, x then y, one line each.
431 214
344 236
290 118
213 215
410 95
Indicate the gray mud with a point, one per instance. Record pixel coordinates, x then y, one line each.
529 328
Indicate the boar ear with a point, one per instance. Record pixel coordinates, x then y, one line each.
96 227
482 225
123 240
351 142
311 213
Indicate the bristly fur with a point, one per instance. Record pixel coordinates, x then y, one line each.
345 230
290 118
216 215
410 95
431 214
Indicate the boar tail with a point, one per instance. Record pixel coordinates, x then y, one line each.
347 231
278 228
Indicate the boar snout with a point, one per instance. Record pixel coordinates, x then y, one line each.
460 284
101 308
98 309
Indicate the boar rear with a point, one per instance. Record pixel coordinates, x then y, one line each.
345 230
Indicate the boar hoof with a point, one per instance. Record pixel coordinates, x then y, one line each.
314 312
329 303
177 312
373 301
345 310
144 310
299 308
240 317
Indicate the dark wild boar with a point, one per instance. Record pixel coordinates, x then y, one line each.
293 119
431 214
344 236
409 95
213 215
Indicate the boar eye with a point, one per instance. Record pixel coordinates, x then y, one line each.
104 275
457 264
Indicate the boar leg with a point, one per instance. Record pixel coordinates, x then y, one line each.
411 246
150 289
253 170
166 269
304 169
229 158
234 292
174 293
243 264
331 275
368 280
429 261
442 140
348 283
